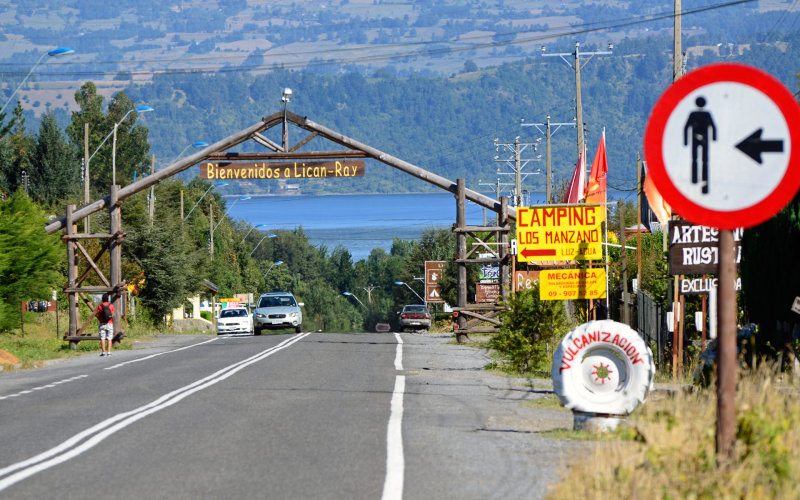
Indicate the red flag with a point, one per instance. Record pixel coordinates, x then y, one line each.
596 189
574 193
657 204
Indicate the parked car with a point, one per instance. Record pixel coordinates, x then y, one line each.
277 310
383 327
234 320
415 317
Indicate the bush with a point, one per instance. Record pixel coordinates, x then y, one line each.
206 315
531 329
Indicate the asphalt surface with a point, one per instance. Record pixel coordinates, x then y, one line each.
276 416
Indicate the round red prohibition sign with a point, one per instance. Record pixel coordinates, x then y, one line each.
719 146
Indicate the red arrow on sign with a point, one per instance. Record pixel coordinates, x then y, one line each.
538 253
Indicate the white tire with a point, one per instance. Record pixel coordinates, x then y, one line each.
603 367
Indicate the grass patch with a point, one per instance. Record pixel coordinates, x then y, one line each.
669 449
546 401
41 342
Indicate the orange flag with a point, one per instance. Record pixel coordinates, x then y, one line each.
660 208
574 193
596 189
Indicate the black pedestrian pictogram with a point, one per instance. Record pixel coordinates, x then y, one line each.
699 122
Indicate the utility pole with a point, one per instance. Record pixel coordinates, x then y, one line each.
86 229
549 131
677 60
577 66
516 163
211 229
152 200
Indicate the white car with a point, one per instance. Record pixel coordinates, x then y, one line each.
234 320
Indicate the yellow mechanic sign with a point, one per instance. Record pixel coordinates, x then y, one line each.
569 232
563 284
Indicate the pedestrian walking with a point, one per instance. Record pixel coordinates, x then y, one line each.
105 314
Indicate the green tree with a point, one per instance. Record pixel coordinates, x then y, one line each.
22 147
531 330
54 173
29 257
172 271
132 146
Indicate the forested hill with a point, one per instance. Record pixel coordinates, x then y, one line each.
447 124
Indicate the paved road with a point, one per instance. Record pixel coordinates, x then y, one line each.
277 416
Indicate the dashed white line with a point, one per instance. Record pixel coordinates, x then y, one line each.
398 357
395 461
48 386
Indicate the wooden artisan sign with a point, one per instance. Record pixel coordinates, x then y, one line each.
284 170
693 249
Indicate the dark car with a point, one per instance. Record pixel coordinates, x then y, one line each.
415 317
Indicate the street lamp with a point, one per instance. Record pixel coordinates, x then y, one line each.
250 231
194 144
277 263
348 294
228 210
218 184
61 51
285 98
262 239
140 109
412 290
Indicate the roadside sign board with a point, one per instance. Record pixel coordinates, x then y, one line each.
568 232
433 274
525 280
720 146
694 249
487 293
565 284
281 170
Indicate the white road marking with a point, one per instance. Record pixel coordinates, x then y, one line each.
79 443
48 386
395 461
398 358
119 365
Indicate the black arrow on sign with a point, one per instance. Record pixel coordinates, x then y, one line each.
753 146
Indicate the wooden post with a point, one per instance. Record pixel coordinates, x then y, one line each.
625 311
502 250
726 349
681 326
72 275
115 253
461 253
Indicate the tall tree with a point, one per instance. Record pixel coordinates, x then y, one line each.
132 146
22 146
54 174
29 257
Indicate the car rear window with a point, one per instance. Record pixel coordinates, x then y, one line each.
416 309
233 313
280 301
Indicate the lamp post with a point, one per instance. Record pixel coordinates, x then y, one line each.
412 290
259 242
194 144
228 210
250 231
140 109
218 184
61 51
348 294
285 98
276 263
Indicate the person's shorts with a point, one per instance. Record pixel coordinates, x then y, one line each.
106 331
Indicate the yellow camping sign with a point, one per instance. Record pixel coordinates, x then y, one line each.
569 232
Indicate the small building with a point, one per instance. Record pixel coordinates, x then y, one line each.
187 317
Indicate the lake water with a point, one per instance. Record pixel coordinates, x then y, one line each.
359 222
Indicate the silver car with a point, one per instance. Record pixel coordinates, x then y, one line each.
277 310
415 317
